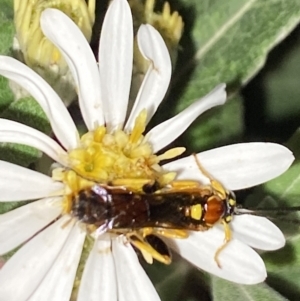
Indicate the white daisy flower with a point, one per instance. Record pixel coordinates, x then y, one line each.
115 152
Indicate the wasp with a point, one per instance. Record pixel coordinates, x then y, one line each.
169 212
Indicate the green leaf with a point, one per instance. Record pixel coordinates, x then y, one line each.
8 206
272 98
232 39
282 84
167 279
6 95
284 191
178 281
229 291
286 188
6 26
216 127
226 41
29 112
283 268
6 39
25 110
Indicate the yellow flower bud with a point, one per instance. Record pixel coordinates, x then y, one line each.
32 47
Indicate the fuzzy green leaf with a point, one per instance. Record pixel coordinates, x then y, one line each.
6 26
282 85
228 291
232 38
283 268
6 39
27 111
227 41
284 191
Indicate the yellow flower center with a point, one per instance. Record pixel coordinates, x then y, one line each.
120 158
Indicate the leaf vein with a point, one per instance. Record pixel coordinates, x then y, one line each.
226 26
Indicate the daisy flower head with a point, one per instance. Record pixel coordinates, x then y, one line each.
113 161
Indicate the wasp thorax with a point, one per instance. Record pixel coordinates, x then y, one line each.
215 210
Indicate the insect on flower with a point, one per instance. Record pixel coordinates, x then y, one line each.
142 216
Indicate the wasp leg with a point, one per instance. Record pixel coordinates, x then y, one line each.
67 222
150 248
170 233
184 184
159 245
200 227
131 184
227 240
189 186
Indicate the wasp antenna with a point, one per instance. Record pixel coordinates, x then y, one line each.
202 169
239 211
279 210
277 213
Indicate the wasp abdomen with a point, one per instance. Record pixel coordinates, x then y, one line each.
118 208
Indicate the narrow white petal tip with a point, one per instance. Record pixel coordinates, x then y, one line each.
131 275
157 78
257 232
239 263
58 115
237 166
99 277
71 42
27 270
19 184
14 132
20 224
169 130
115 59
217 96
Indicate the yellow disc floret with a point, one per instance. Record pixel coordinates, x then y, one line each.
120 158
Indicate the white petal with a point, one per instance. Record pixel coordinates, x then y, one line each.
28 266
59 117
157 79
19 225
257 232
20 184
15 132
68 38
58 283
115 59
99 277
239 263
168 131
133 282
236 166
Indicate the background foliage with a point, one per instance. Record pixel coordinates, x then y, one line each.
224 41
